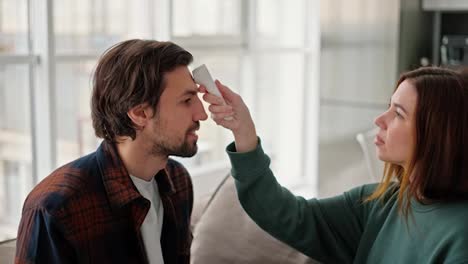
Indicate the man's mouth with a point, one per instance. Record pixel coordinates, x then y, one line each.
193 130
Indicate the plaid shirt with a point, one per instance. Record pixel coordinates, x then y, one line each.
89 211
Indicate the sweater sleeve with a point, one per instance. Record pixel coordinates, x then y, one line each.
328 230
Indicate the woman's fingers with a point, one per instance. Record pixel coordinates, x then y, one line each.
220 108
213 99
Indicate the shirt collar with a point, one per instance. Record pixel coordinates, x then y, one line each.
119 187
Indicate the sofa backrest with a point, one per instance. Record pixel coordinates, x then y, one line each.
224 233
7 251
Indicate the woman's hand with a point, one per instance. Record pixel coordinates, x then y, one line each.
233 115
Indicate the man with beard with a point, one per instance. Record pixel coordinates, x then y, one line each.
127 202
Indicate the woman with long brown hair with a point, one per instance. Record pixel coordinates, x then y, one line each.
417 214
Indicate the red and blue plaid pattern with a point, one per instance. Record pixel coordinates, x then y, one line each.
89 211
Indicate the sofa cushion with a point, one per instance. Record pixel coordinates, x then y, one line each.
7 251
225 234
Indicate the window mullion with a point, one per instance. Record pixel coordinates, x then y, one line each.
311 104
43 87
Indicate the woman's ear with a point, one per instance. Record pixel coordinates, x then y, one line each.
140 115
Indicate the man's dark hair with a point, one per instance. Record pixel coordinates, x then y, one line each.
128 74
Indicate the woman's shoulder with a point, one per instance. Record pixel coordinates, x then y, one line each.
366 190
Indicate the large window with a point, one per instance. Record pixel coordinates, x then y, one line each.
90 27
266 53
82 31
206 18
75 135
265 50
15 114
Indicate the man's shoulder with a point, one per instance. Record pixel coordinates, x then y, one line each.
67 182
177 171
179 176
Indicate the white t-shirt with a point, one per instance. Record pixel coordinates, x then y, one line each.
152 225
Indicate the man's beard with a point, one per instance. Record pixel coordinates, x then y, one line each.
186 149
163 146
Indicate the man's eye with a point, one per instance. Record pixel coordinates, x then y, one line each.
188 100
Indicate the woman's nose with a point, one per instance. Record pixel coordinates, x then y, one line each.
380 121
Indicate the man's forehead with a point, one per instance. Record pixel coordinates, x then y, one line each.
179 81
181 90
189 91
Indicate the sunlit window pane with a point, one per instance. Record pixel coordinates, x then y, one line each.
279 112
13 26
91 26
15 146
75 135
281 24
206 17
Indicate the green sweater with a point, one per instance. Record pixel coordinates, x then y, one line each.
344 229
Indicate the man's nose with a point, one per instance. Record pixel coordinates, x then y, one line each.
200 113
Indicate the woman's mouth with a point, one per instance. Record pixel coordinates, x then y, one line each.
378 141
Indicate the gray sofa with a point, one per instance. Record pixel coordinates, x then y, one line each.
223 233
7 251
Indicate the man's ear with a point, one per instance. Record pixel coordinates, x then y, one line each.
140 115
